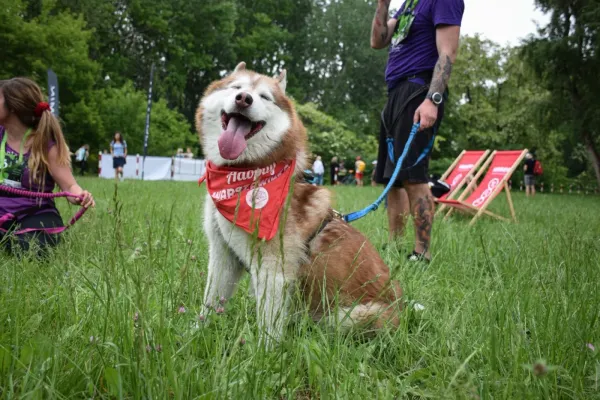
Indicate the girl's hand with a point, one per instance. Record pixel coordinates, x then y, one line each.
87 202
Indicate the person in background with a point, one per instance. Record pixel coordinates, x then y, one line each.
360 171
35 158
529 168
319 170
334 167
81 157
118 150
189 153
373 183
342 172
179 153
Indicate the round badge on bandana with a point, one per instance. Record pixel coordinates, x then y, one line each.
257 198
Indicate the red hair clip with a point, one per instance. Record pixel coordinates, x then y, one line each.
40 108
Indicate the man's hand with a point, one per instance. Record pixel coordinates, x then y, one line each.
426 114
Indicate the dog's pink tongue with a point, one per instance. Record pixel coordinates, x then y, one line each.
233 139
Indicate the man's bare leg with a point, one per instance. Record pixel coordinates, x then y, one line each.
398 210
423 208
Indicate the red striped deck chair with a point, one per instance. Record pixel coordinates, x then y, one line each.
460 172
499 166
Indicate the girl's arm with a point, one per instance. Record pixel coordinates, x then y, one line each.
63 176
125 149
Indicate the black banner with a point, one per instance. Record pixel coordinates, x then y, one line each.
53 92
148 111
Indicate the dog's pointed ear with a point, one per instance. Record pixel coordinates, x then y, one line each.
282 79
240 67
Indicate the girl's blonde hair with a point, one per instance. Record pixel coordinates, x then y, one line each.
21 97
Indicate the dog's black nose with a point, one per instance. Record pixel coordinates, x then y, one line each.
243 100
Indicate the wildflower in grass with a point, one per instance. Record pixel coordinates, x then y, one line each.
540 368
158 348
222 300
92 339
219 310
591 347
136 317
193 258
242 341
189 242
181 310
201 318
148 348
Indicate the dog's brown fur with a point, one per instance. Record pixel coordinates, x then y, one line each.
339 264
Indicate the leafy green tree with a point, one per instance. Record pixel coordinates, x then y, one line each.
31 45
567 59
328 137
340 71
470 115
124 110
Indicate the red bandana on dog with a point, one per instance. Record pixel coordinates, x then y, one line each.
250 198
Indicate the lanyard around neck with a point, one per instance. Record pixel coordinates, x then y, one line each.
3 150
408 9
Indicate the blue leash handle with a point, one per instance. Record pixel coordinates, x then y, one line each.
390 141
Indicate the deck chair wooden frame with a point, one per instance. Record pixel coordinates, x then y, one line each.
456 189
460 204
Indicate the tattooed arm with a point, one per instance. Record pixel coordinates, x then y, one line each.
447 37
447 45
383 28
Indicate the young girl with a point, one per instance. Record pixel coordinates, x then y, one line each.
118 149
33 157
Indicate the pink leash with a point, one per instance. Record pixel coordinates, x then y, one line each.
40 195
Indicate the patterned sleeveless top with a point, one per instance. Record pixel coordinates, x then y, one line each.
13 170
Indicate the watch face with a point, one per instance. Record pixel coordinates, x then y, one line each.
436 98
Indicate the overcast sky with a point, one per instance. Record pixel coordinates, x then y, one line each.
503 21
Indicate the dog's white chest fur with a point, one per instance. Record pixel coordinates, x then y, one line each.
235 238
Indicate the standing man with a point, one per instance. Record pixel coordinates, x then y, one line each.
334 167
81 157
423 41
319 171
529 169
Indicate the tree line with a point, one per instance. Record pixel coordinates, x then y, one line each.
539 95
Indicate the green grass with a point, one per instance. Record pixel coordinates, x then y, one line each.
500 298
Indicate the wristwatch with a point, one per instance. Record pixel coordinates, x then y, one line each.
436 98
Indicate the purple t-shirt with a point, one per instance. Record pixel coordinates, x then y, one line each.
418 51
23 206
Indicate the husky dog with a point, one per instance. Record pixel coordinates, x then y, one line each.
251 135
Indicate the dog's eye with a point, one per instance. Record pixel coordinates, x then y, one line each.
267 98
236 87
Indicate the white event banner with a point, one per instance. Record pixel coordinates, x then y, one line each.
155 168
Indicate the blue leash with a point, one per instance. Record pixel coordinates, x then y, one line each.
390 142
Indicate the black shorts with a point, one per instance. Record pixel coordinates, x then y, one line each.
16 244
397 121
119 162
